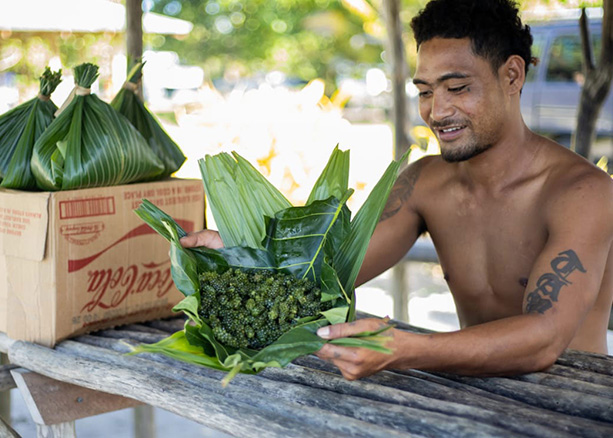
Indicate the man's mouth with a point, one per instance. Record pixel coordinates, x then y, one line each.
450 132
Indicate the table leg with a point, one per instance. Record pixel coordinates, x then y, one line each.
62 430
144 422
400 291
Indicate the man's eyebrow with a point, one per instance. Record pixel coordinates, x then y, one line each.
443 78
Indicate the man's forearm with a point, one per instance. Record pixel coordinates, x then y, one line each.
514 345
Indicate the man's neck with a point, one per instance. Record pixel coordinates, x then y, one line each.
505 163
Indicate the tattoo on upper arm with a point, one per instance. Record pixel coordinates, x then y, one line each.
548 285
403 187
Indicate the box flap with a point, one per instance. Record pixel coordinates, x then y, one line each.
24 217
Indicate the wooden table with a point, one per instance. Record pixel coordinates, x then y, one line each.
309 398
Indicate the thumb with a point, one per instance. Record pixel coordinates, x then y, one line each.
207 238
350 328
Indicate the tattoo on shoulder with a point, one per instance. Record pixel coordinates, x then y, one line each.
548 285
403 187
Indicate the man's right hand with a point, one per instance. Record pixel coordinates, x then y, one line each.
207 238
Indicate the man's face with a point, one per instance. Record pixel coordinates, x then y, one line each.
460 97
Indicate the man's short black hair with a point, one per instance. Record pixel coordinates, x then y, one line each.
493 26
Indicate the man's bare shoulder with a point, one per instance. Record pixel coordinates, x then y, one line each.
573 182
427 170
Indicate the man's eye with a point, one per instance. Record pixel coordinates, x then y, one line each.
457 89
424 93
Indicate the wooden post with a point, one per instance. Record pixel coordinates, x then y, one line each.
598 78
399 75
144 422
400 291
134 34
5 396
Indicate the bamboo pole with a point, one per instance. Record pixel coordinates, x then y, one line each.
134 34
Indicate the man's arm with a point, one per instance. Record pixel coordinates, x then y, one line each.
400 225
562 288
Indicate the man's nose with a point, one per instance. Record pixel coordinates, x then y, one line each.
441 108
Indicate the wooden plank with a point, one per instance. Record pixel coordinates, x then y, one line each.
236 413
148 338
168 325
558 400
393 416
53 402
64 430
6 383
6 379
5 342
569 383
6 431
581 375
598 363
511 415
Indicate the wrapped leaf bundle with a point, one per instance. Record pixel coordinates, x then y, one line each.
19 129
89 144
128 103
283 273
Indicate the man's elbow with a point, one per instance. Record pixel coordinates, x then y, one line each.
548 355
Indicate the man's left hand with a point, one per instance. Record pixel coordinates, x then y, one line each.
355 363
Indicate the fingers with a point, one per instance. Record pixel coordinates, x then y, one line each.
349 361
350 328
207 238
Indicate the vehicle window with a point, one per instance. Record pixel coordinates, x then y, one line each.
565 58
537 52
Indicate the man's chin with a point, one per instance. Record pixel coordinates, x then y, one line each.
456 156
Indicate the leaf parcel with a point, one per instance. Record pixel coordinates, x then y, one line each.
128 103
284 271
19 129
89 144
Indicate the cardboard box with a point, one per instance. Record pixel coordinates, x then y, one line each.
81 260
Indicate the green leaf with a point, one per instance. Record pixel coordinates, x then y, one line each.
127 103
296 236
221 351
19 130
336 315
189 305
296 342
375 343
239 198
247 258
350 255
205 259
102 148
333 181
177 347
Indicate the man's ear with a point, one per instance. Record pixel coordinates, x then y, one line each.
513 74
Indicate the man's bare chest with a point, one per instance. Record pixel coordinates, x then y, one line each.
486 252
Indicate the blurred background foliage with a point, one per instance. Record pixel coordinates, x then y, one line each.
233 39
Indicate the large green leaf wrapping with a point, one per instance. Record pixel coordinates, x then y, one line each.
127 103
90 144
19 129
318 241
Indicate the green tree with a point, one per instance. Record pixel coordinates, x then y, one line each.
303 38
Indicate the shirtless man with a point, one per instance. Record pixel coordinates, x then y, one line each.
522 226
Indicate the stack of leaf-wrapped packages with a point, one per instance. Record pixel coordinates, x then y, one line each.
20 128
283 273
89 144
128 103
